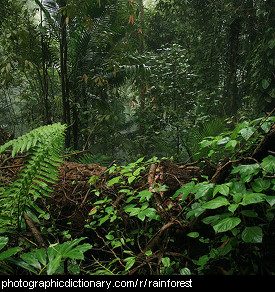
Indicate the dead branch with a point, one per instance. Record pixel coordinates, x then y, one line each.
34 231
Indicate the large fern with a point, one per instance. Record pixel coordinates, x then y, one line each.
42 147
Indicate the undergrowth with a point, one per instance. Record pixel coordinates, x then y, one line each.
134 228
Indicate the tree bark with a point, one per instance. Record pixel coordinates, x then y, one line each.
142 79
232 84
45 87
64 73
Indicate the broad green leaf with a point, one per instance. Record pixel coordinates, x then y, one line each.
211 219
247 171
216 203
185 190
270 200
205 143
31 259
238 187
113 181
54 265
222 189
232 208
203 189
78 251
129 262
247 132
226 224
145 195
223 141
260 184
231 144
134 211
252 198
10 252
41 255
196 210
109 236
269 163
252 234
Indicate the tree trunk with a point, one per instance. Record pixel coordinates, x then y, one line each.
232 84
75 118
64 74
142 79
45 87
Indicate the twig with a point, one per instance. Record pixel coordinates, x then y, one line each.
11 166
75 153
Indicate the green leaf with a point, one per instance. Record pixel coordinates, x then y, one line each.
206 143
185 271
223 141
252 234
113 181
103 219
78 251
231 144
145 195
226 224
203 189
31 259
216 203
247 132
185 190
193 234
41 255
131 179
269 163
129 262
232 208
222 189
166 262
270 200
10 252
3 241
265 83
252 198
260 184
247 171
54 265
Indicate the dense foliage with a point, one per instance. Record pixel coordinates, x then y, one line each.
117 81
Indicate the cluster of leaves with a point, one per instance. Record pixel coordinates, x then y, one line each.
42 147
239 211
229 142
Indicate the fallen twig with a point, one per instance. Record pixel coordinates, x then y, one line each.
34 231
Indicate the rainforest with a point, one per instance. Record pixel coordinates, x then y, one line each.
137 137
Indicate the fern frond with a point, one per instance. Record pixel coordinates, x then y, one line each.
43 146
